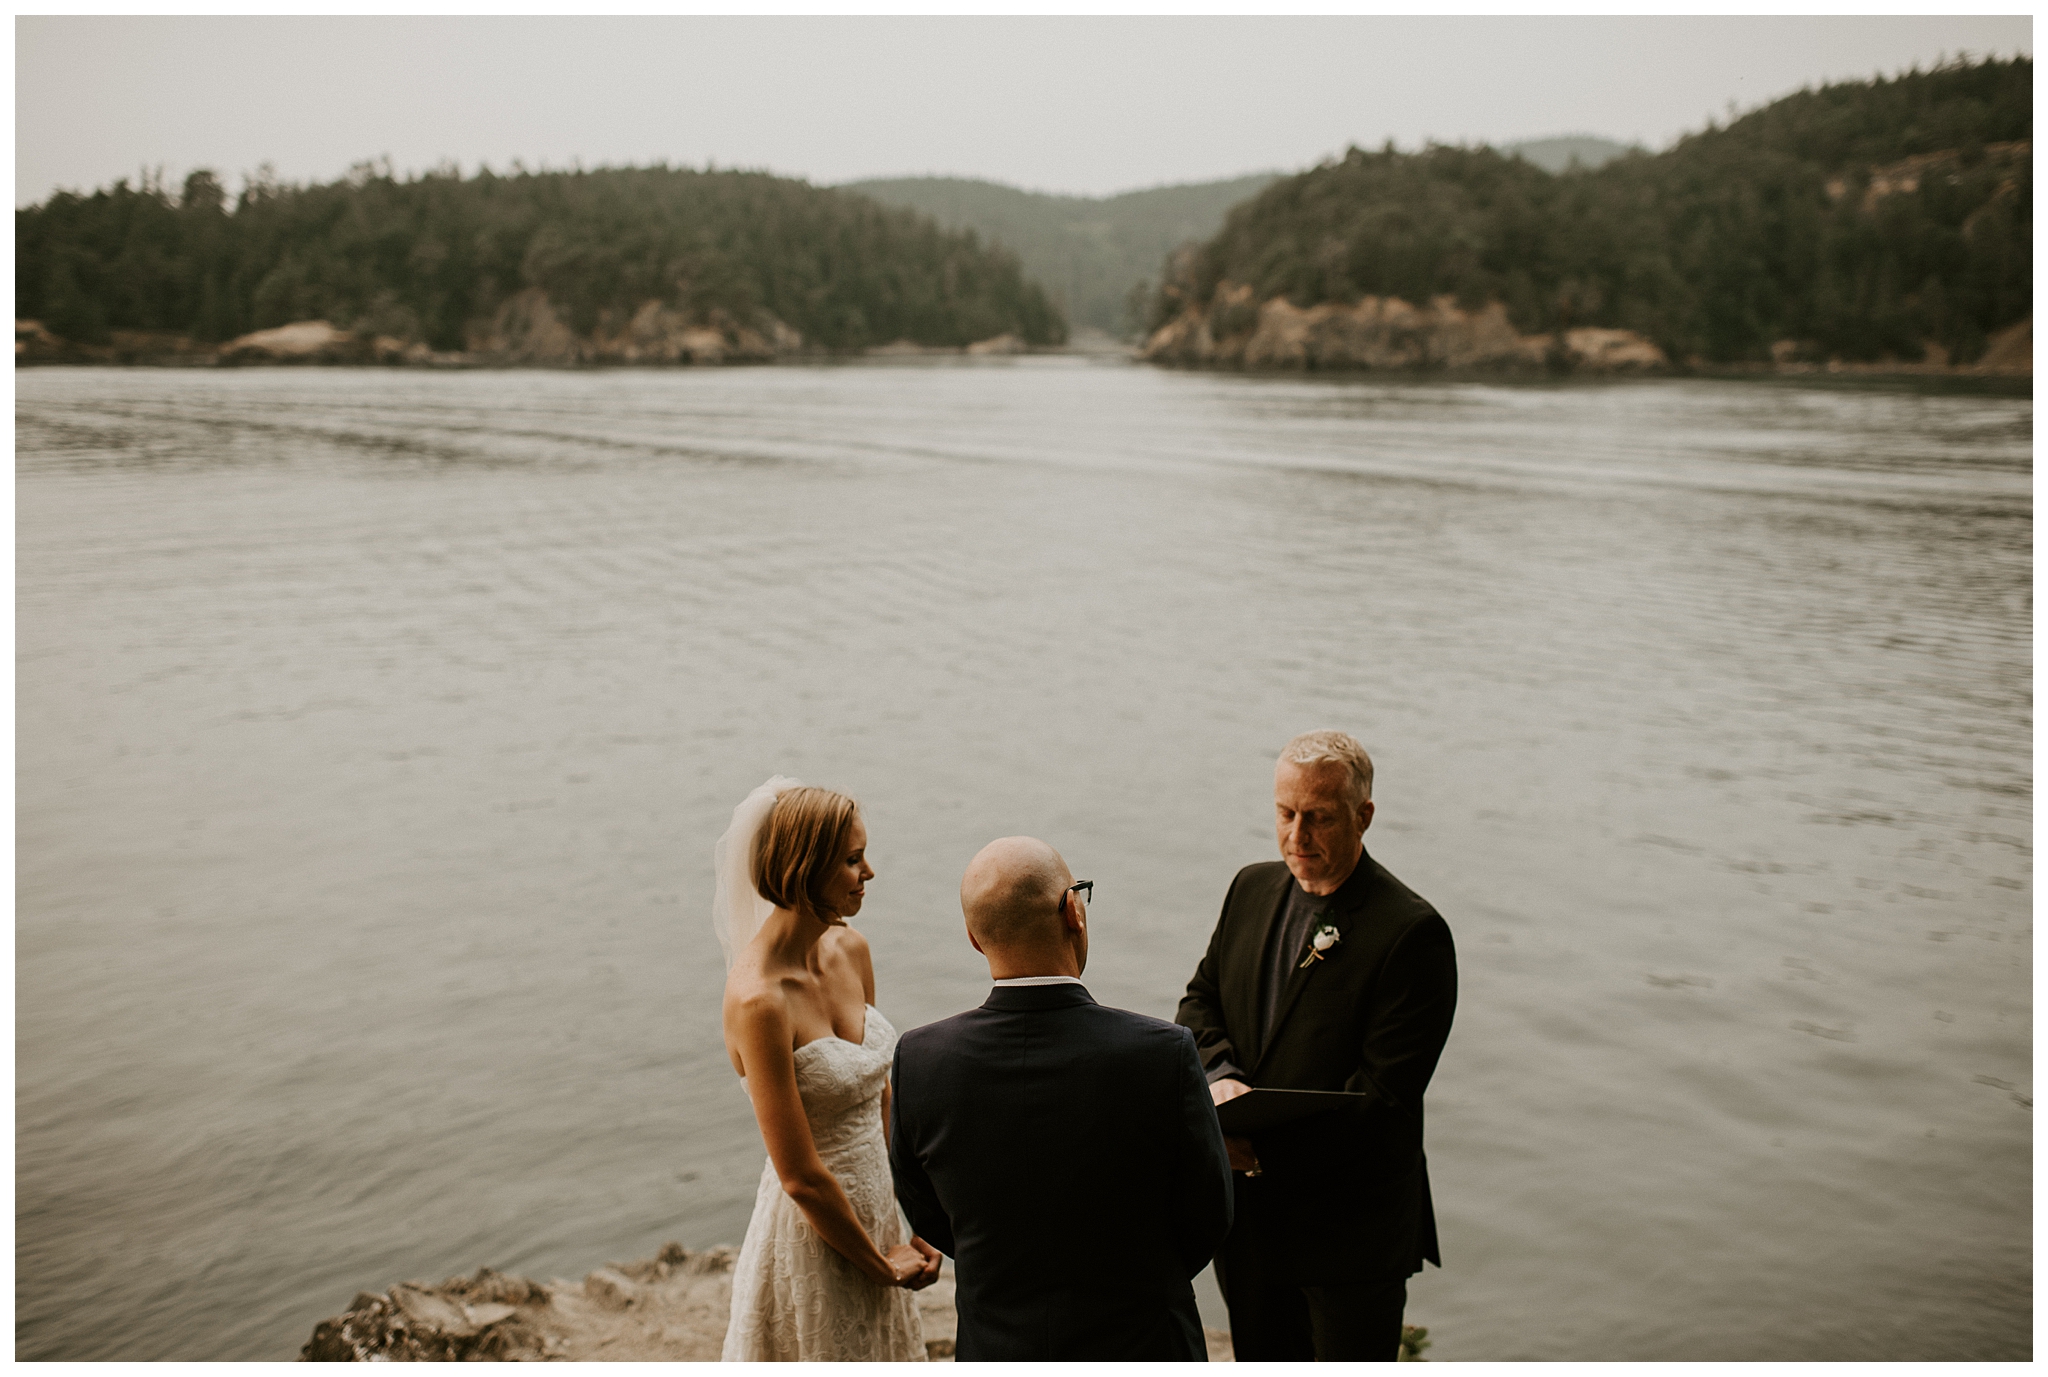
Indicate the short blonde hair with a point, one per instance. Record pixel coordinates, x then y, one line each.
1329 746
799 844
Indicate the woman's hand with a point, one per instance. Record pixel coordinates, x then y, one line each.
906 1265
915 1264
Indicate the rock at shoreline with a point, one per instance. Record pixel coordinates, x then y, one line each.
528 329
999 344
1237 331
2011 350
670 1308
303 341
35 343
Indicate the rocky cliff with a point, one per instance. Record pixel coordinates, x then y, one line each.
527 330
670 1308
1237 331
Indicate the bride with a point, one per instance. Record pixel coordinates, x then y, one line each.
824 1274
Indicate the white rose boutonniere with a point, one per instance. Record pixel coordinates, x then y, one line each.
1326 937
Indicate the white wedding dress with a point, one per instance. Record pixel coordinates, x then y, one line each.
794 1298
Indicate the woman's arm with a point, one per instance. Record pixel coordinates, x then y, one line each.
760 1027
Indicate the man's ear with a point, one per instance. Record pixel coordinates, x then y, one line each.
1365 815
1073 912
972 942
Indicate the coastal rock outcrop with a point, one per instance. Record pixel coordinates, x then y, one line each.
671 1307
1005 343
302 341
668 1308
32 340
36 343
2011 350
1375 332
528 328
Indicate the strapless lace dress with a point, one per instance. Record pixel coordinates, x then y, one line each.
794 1298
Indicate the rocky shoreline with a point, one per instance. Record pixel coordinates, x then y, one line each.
1234 330
1374 334
668 1308
526 331
671 1307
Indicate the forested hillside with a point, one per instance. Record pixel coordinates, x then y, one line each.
1858 221
434 258
1090 253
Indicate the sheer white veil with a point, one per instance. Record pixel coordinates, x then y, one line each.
737 910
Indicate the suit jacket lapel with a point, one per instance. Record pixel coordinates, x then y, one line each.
1243 1013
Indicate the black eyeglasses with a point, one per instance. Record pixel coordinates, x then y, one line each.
1087 888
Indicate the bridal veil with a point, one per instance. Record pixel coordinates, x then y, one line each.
737 909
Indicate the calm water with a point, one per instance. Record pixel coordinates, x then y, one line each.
374 730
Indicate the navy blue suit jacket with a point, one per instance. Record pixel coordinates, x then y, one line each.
1066 1156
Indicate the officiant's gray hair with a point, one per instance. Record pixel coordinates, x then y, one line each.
1314 748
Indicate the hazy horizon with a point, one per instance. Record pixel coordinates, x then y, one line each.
1069 106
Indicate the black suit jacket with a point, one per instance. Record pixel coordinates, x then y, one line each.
1066 1155
1352 1187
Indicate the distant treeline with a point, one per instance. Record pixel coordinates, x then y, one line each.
425 258
1859 219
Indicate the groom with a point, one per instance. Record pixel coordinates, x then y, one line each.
1065 1154
1325 973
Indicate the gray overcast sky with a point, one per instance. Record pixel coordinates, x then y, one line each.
1082 105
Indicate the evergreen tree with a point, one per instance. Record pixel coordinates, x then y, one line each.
1862 219
428 258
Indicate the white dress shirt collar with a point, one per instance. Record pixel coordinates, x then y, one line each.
1039 980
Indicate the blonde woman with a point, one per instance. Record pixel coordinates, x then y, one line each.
825 1273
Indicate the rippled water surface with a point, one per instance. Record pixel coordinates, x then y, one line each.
374 730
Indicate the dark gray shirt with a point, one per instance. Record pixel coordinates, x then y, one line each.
1286 946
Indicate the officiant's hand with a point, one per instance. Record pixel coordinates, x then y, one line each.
1242 1158
1227 1089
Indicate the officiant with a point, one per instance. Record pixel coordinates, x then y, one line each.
1324 973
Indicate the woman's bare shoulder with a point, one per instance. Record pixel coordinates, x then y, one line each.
845 943
846 950
847 961
753 997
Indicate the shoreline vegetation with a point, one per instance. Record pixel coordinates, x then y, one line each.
668 1308
1098 255
652 265
1884 223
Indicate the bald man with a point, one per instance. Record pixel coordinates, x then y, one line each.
1064 1154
